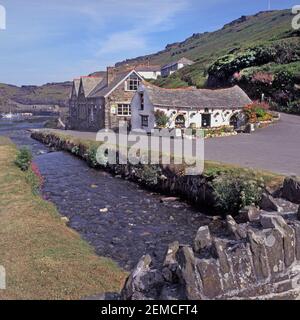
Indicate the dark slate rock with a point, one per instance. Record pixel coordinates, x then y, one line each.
242 265
296 227
211 278
275 252
236 230
248 214
203 240
188 274
268 203
259 254
220 249
291 189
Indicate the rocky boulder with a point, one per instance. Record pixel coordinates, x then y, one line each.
291 189
255 260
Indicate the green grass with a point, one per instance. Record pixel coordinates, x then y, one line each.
44 259
206 48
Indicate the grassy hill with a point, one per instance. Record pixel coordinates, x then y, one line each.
261 50
205 48
51 93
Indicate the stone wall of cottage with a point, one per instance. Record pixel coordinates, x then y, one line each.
87 114
118 96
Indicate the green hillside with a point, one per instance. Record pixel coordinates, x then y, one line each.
51 93
232 49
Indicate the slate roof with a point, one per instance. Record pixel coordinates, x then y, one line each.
231 98
89 83
154 68
183 60
102 89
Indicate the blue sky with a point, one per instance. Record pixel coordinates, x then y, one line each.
58 40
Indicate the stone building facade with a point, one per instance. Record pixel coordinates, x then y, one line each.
102 101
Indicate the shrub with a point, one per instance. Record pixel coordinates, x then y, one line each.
92 157
233 192
24 158
161 119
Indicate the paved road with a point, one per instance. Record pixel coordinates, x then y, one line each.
275 149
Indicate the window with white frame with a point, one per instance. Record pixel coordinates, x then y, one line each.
124 110
132 83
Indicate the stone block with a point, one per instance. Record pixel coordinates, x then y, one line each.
248 214
171 254
234 229
268 203
219 248
291 189
203 239
211 278
296 228
275 251
259 255
242 265
277 222
188 274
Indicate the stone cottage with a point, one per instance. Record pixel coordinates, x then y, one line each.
101 101
187 107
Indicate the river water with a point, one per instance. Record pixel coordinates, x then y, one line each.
118 218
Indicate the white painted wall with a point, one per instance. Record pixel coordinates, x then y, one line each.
219 117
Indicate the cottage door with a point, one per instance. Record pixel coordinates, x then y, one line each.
206 120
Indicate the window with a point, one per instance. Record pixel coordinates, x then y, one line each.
142 101
145 121
124 110
206 110
92 114
132 83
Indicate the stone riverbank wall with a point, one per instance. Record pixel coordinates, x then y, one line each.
251 261
164 179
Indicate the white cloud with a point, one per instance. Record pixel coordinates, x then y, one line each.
145 18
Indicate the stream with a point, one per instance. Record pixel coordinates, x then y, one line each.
118 218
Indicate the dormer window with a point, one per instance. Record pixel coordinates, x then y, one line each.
132 83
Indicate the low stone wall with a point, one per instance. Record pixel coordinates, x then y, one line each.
257 260
164 179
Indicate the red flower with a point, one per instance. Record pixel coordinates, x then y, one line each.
37 172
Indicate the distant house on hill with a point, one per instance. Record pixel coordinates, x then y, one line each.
188 107
148 72
101 101
172 67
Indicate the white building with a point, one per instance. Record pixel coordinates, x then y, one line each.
172 67
148 72
189 107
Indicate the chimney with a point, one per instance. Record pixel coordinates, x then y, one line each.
110 74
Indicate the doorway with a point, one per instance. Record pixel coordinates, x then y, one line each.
206 120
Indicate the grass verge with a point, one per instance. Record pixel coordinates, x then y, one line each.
43 258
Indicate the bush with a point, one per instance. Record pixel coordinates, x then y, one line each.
161 119
92 157
234 192
24 158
